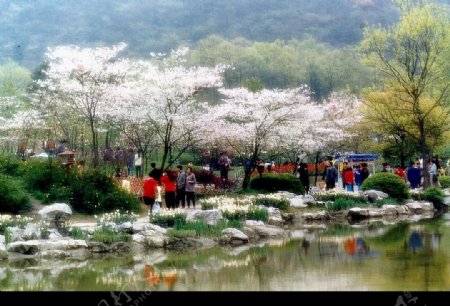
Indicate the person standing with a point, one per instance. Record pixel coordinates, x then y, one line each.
349 178
358 178
168 180
130 162
150 192
190 187
138 163
304 176
331 175
364 172
224 167
181 185
413 175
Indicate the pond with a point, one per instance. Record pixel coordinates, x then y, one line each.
397 257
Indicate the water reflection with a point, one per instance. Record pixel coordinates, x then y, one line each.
398 257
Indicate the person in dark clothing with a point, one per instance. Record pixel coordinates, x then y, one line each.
304 176
155 173
413 176
364 172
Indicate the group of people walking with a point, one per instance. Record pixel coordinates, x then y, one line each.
350 177
178 187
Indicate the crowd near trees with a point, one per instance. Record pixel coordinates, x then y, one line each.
243 96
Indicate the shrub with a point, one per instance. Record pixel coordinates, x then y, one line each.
389 183
277 182
43 175
58 193
94 192
10 165
444 181
207 206
281 204
434 195
13 198
259 214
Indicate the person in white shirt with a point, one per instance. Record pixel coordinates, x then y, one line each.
138 163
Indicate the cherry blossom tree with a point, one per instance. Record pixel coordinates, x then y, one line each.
287 120
249 122
163 100
82 81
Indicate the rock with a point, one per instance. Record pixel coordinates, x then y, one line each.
211 216
54 234
33 246
138 238
233 236
250 233
375 213
141 227
152 239
252 223
419 208
23 247
373 195
126 227
14 233
357 213
446 192
297 202
183 243
100 247
389 210
321 215
56 214
275 217
269 231
89 227
309 199
158 229
402 210
288 217
31 232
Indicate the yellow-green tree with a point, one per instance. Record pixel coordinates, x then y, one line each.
413 58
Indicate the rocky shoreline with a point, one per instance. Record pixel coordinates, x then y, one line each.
32 242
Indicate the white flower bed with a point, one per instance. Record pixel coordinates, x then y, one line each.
117 217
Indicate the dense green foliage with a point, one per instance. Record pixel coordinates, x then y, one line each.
94 192
444 181
30 26
201 228
389 183
13 198
277 182
434 195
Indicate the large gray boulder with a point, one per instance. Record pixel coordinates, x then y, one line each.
31 247
316 216
373 195
56 214
233 236
297 202
309 199
357 213
211 216
275 217
14 233
269 231
418 208
31 232
151 238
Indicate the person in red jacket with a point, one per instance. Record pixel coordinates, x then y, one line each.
348 178
150 192
169 180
